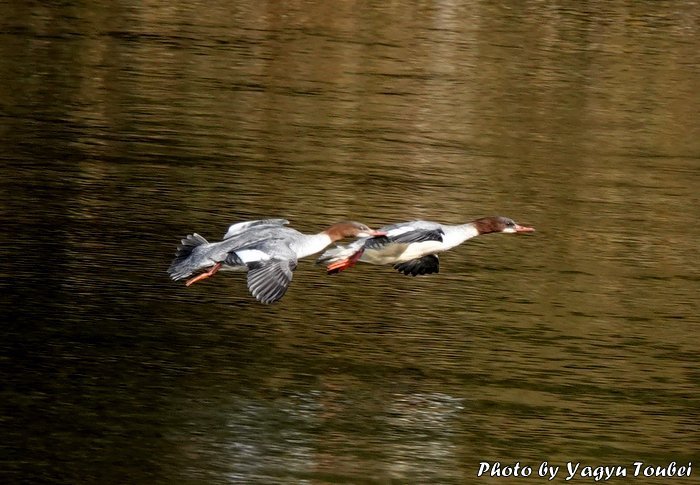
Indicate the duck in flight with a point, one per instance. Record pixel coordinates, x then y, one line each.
412 247
265 248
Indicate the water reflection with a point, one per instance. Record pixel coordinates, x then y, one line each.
128 125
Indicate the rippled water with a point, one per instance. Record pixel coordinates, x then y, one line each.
125 126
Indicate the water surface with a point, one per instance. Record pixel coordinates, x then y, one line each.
126 126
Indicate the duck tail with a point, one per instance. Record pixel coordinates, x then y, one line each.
182 267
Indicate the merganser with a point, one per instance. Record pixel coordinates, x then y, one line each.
411 246
266 249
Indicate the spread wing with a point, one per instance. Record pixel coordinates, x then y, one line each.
269 279
268 282
239 227
406 233
426 265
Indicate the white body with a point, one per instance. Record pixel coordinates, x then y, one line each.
301 245
400 252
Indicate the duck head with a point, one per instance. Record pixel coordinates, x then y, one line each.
487 225
345 229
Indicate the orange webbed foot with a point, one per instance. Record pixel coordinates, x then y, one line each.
203 276
342 265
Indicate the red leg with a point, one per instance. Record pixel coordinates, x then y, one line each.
344 264
204 276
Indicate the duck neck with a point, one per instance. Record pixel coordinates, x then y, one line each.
310 244
455 235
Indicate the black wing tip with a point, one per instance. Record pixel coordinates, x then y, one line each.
232 259
416 236
434 235
426 265
377 242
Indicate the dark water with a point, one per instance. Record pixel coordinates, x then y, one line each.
126 125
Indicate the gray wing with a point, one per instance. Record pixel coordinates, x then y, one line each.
406 233
239 227
268 282
258 236
426 265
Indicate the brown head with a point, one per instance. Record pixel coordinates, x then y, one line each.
486 225
351 229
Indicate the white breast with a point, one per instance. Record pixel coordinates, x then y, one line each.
456 235
420 249
306 245
252 255
399 253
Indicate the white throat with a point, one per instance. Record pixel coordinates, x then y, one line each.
456 235
310 244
